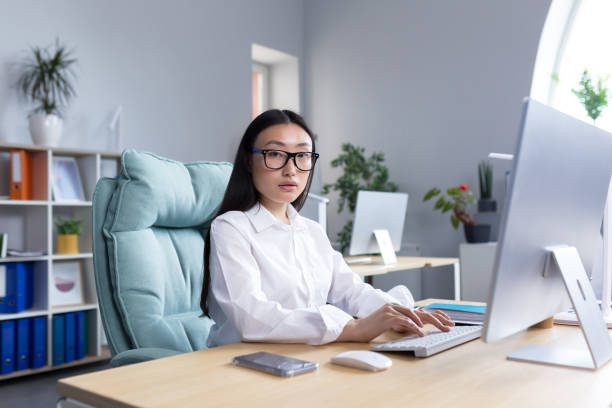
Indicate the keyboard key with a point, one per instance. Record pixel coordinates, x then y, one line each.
434 342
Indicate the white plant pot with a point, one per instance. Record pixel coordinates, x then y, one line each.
46 130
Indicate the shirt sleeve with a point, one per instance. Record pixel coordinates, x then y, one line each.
236 286
360 299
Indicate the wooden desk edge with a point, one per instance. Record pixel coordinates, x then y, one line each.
403 263
66 387
69 387
67 390
438 261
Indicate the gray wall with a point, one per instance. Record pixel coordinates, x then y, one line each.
435 85
181 69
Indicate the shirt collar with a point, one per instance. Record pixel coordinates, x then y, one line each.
261 218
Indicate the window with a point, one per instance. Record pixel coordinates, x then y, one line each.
275 80
260 88
576 37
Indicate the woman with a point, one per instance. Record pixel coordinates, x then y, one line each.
272 275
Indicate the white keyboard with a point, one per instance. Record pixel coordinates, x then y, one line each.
435 342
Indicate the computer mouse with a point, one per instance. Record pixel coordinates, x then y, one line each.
362 359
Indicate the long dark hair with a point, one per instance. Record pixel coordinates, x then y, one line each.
241 194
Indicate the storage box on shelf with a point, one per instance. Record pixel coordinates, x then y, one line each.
30 226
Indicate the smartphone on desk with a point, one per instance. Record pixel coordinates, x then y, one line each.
275 364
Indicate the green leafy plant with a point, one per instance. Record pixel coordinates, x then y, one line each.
485 178
47 79
456 199
68 226
593 100
359 174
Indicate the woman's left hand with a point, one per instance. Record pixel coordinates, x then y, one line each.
436 317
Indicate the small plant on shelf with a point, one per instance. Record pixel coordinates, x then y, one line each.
458 199
47 82
486 203
68 231
68 226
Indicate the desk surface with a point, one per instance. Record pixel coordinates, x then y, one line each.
403 263
473 374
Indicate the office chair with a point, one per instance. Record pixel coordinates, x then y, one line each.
149 226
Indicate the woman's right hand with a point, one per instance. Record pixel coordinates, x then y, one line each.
399 318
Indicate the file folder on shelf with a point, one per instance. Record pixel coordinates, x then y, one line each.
3 244
58 339
29 285
21 186
80 335
7 346
17 280
86 336
23 278
8 301
22 352
38 342
70 337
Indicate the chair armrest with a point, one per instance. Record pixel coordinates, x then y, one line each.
140 355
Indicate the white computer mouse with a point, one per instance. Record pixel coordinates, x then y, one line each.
362 359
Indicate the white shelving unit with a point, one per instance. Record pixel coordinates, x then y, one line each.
29 224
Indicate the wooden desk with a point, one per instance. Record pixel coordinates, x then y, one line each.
405 263
474 374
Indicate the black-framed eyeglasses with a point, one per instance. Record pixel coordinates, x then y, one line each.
277 159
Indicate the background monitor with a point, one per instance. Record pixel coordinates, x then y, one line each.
377 210
562 169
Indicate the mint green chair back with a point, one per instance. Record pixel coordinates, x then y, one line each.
149 226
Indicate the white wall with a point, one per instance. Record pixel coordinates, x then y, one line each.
181 69
284 89
435 85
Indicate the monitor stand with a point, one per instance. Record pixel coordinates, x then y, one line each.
566 260
385 246
603 262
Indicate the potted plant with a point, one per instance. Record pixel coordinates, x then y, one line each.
486 203
46 81
458 199
593 100
359 174
68 231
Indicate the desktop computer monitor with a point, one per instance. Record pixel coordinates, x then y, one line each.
549 234
377 211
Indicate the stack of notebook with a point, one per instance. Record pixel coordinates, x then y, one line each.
463 314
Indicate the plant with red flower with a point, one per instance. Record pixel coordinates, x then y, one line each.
456 199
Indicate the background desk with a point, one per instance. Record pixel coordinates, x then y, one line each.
405 263
473 374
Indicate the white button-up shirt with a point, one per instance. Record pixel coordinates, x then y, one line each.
283 283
